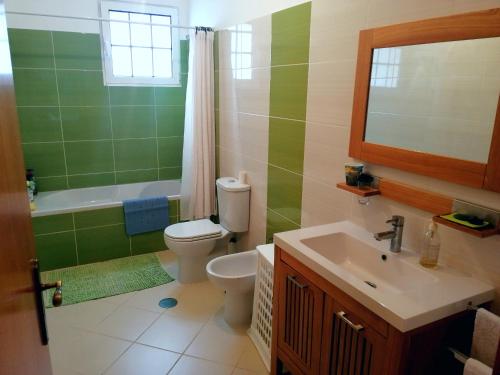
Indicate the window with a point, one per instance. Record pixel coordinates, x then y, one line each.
140 49
385 67
241 51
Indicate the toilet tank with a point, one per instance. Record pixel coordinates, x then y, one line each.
234 204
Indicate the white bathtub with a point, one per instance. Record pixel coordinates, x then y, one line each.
86 199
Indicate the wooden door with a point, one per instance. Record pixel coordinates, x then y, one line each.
350 345
21 349
300 317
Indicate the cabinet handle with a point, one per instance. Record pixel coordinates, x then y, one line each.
297 284
356 327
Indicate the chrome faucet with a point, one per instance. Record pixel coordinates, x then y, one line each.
395 235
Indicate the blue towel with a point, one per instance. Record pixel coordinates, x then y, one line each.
145 214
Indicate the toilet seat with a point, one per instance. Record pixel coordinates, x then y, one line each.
196 230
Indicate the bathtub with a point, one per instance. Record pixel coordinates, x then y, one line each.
87 199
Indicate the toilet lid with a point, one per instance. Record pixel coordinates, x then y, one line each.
190 230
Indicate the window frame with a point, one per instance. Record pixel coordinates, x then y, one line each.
109 78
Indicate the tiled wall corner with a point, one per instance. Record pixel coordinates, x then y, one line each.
77 132
71 239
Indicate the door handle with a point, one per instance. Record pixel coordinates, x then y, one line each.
57 298
38 290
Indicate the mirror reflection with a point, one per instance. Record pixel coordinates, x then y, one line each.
438 98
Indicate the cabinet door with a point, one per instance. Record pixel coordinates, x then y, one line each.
300 319
350 345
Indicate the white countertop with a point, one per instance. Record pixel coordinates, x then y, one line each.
451 291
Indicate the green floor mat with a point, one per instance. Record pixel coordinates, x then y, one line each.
105 279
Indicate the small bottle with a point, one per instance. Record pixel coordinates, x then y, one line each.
430 249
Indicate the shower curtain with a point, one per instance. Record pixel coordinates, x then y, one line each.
198 159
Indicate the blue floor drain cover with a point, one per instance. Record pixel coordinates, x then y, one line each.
168 303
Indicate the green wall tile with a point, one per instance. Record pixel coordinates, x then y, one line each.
133 122
51 183
173 208
289 91
35 87
52 223
185 55
47 159
147 243
170 173
89 157
39 124
86 123
284 193
277 224
172 95
170 120
31 48
216 50
77 50
131 154
290 35
100 217
136 176
287 139
104 243
170 151
56 250
81 88
128 95
90 180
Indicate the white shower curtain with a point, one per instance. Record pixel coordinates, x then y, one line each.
198 159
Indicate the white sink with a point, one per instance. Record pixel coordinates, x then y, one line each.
392 285
370 265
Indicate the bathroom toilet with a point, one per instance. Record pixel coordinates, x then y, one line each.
235 273
193 241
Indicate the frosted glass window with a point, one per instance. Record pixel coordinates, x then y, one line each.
141 49
241 51
385 67
161 34
120 32
122 63
140 34
160 69
142 62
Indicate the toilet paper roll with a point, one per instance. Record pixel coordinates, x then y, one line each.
242 177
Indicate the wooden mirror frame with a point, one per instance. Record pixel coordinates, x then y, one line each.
475 25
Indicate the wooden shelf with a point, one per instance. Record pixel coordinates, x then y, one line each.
368 192
462 228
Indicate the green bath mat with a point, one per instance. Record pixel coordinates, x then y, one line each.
105 279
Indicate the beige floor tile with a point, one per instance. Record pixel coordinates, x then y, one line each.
250 360
195 366
198 301
148 299
219 342
87 353
171 333
82 315
126 323
239 371
140 360
119 299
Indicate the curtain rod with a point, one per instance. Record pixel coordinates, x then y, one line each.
100 20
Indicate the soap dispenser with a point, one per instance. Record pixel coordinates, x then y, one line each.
430 249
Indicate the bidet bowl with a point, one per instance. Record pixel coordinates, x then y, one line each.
235 274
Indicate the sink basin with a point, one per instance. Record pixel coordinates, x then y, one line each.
392 285
385 272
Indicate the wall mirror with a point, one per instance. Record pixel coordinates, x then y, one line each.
427 98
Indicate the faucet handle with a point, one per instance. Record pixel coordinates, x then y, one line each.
397 221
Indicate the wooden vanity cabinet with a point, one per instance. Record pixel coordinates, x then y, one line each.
318 329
